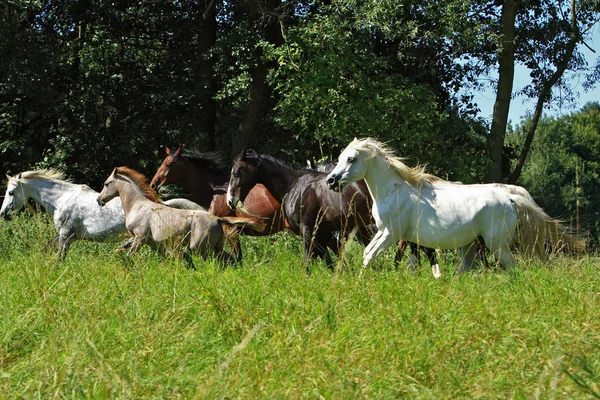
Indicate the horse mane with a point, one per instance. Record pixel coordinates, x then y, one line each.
212 160
413 175
49 173
141 181
276 162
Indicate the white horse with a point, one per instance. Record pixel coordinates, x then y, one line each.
412 205
76 214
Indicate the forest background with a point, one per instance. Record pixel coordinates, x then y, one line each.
89 85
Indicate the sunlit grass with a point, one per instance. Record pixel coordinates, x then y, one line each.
95 326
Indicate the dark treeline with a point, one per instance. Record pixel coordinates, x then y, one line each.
88 85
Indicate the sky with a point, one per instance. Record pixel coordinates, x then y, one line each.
520 106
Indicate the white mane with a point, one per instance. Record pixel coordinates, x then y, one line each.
373 148
50 174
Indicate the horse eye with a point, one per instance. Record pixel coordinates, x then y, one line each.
11 193
350 160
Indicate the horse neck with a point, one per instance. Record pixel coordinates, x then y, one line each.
130 194
277 178
381 178
201 184
46 192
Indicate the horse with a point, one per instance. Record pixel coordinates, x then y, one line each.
415 255
311 210
73 207
412 205
205 177
162 227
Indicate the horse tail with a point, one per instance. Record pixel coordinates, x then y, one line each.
531 226
256 224
536 228
183 204
562 237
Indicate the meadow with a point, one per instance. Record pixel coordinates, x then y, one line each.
98 326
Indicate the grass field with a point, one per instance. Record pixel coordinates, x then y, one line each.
95 326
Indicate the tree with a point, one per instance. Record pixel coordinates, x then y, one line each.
564 165
545 37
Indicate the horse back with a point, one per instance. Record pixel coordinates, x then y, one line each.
311 201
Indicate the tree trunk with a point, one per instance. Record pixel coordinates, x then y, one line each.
208 109
545 94
249 132
506 72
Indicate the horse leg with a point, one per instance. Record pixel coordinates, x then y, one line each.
435 267
481 252
504 256
468 252
187 256
232 233
400 251
52 243
64 242
414 259
126 244
136 244
500 249
381 241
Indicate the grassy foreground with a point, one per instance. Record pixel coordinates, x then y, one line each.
93 327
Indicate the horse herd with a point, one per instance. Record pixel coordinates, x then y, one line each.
369 188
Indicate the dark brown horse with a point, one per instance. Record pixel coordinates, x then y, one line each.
205 176
311 209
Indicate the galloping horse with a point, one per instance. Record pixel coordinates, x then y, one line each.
415 255
205 177
311 209
73 207
162 227
410 204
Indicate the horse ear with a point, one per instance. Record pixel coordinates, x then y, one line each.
19 176
168 151
177 152
244 151
114 173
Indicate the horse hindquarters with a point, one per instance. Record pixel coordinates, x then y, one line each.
207 237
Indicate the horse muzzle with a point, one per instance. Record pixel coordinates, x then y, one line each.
100 202
334 183
6 215
232 204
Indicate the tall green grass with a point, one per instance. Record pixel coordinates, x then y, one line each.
96 326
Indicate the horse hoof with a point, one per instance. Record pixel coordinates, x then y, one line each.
437 274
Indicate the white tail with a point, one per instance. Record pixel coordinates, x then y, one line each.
536 228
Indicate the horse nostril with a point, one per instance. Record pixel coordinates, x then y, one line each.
153 186
330 181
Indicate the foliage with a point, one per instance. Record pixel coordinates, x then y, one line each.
563 169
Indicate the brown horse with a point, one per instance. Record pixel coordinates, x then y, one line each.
311 209
206 177
163 227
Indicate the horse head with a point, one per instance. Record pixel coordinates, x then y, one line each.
168 172
109 189
244 176
347 169
15 198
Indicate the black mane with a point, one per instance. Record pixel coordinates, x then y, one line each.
213 161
